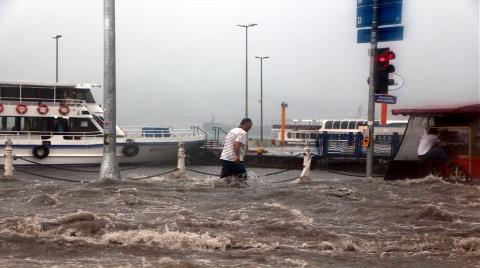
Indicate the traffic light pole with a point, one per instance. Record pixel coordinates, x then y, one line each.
371 90
109 168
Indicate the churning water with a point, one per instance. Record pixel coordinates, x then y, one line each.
166 221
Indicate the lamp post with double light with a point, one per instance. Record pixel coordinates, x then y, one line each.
246 26
56 37
261 95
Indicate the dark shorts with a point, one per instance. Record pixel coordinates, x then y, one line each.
230 168
435 154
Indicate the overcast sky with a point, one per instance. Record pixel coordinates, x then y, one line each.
181 61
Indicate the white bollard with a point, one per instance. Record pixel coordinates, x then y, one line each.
181 167
8 160
307 161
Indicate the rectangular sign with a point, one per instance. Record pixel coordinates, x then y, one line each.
389 99
387 14
362 3
385 34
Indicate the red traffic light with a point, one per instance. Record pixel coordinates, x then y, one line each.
385 56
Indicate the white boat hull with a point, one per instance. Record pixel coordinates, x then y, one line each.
92 154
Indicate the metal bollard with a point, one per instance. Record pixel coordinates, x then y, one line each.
8 160
307 161
181 168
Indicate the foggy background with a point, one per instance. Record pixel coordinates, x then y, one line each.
181 61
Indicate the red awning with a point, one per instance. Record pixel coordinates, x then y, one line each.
468 109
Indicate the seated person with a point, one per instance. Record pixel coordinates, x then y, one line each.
429 147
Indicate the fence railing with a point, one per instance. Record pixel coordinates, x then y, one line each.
155 132
351 144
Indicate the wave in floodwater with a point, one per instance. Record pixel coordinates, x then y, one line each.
196 221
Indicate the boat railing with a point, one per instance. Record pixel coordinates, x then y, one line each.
36 101
156 132
46 135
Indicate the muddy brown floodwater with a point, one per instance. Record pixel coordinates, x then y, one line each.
332 221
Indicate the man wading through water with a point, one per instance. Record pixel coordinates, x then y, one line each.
233 152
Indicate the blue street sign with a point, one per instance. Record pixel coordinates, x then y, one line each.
385 34
387 14
389 99
362 3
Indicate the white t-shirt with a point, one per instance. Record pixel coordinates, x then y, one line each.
426 143
235 135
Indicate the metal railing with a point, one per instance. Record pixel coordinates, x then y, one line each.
350 144
153 132
46 135
36 101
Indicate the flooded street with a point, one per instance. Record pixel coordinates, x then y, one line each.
332 221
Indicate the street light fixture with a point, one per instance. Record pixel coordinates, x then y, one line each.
56 37
261 95
246 26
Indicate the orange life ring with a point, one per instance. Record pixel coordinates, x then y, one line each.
21 108
63 109
42 108
1 108
366 142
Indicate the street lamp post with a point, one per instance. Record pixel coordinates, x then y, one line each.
246 64
56 37
261 95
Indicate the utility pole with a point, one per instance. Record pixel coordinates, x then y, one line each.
109 168
371 91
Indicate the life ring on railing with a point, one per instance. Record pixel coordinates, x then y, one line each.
21 108
130 150
42 108
40 151
2 108
63 109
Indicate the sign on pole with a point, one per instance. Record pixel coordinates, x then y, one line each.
387 14
385 34
361 3
389 99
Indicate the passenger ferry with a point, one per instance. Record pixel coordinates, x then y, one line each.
300 131
61 124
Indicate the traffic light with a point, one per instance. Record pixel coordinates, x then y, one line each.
382 70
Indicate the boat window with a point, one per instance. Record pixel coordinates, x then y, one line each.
37 94
344 125
81 125
361 123
42 124
397 124
328 125
352 124
84 94
289 135
336 125
10 93
302 135
9 123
